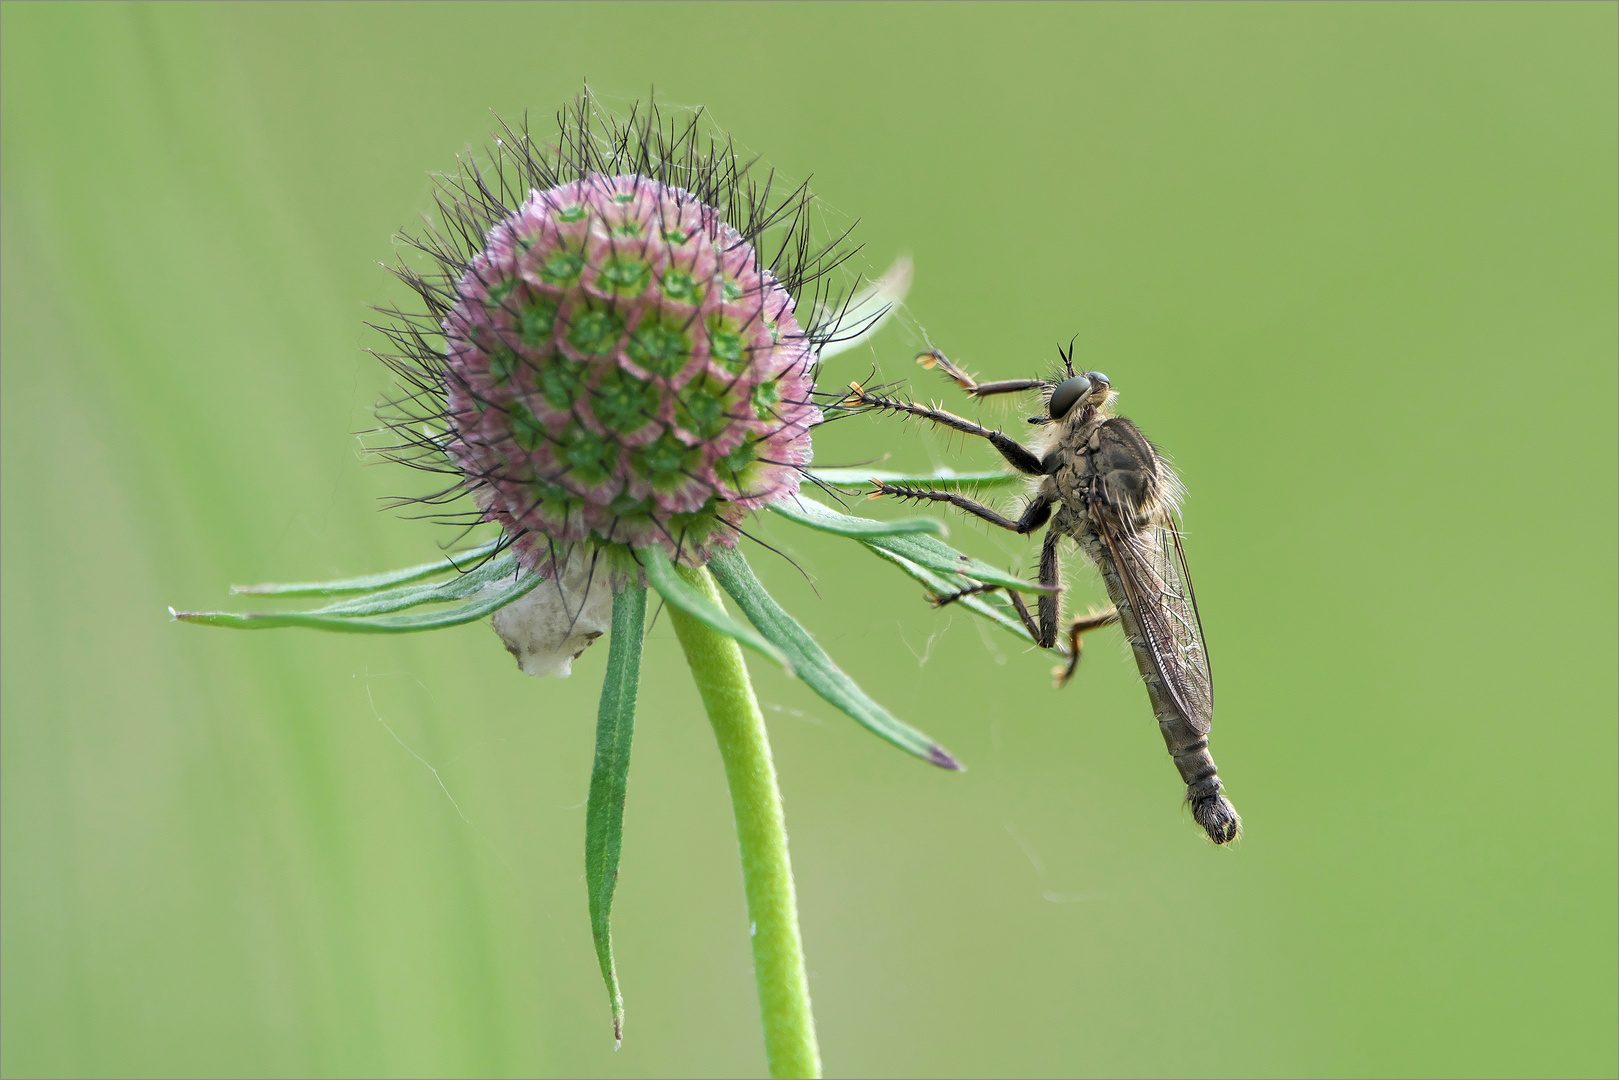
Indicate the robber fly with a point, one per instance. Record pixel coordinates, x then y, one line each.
1102 484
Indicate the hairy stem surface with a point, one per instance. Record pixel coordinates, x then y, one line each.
761 832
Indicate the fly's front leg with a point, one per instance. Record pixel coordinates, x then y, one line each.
934 358
1015 453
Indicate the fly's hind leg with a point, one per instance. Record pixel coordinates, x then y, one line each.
1091 620
1043 629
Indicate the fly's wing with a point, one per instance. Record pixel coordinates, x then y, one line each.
1152 568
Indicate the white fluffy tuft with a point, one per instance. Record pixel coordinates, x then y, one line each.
550 627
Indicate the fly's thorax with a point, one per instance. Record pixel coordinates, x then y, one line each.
1071 518
1131 480
1066 449
1081 425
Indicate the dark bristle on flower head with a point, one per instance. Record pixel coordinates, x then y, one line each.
611 354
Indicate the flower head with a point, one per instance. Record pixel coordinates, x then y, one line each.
611 356
620 369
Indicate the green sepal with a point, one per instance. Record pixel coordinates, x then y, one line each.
408 596
372 582
922 550
660 574
813 665
609 781
470 611
944 478
415 595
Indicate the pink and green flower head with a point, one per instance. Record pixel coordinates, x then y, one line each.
622 370
614 354
614 361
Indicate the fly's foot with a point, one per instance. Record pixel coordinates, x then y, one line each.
1063 672
933 358
939 600
1091 620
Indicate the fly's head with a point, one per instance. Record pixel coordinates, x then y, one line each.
1079 394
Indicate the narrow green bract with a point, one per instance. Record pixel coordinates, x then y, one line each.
902 541
359 616
660 574
609 782
991 606
408 596
825 519
372 582
813 665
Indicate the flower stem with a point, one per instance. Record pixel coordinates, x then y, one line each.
761 832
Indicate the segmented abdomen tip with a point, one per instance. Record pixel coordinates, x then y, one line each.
1218 818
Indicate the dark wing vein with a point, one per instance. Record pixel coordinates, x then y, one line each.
1152 568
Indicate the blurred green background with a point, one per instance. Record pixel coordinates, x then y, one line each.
1353 266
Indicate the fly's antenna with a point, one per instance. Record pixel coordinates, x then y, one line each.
1068 357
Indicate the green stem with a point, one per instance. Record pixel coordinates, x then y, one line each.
761 832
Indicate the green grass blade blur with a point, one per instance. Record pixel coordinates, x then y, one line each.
1351 266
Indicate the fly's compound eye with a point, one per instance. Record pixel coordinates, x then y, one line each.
1098 380
1069 393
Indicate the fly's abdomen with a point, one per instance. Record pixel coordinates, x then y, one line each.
1185 738
1188 748
1210 808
